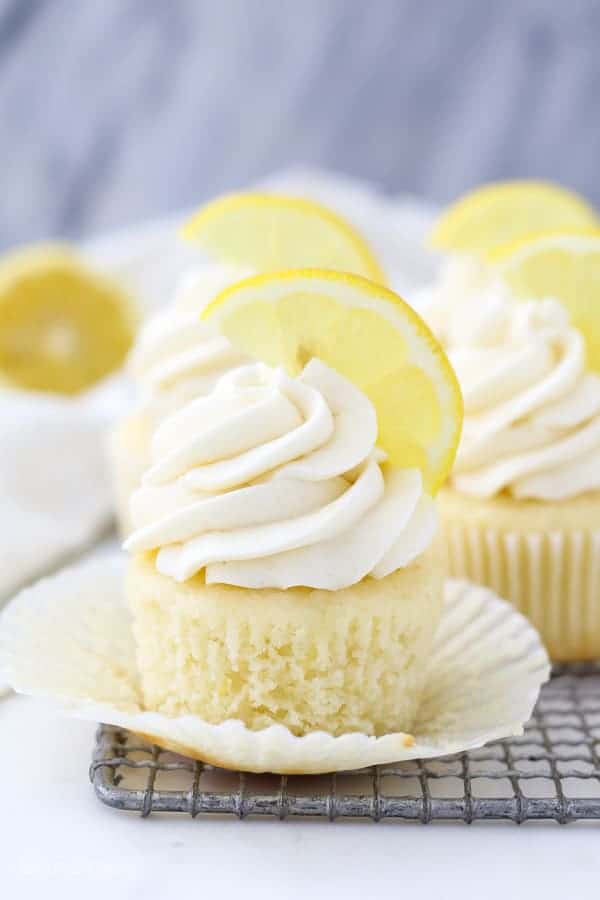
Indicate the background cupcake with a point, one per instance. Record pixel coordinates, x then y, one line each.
522 512
175 357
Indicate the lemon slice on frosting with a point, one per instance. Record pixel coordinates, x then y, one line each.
366 333
62 326
268 232
565 266
509 211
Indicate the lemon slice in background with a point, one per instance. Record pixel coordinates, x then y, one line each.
509 211
62 326
366 333
267 232
563 266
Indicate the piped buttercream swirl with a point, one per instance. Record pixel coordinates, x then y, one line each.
177 356
271 481
532 408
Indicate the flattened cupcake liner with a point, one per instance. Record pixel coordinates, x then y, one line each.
552 578
69 639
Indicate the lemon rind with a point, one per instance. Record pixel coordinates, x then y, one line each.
443 234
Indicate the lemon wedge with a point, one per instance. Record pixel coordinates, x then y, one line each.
268 232
509 211
62 326
563 266
366 333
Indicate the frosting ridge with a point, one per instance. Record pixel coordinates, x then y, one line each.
272 481
177 356
532 408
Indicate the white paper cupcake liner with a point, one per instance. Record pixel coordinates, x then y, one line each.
69 639
552 578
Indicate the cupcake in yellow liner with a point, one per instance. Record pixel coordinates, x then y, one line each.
266 507
175 357
69 641
521 513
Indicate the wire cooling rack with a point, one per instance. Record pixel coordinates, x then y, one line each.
551 772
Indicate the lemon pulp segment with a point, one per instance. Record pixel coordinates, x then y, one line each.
62 327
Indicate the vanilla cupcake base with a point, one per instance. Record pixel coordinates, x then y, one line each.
68 639
337 661
129 457
542 556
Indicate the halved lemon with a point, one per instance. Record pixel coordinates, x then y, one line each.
62 326
366 333
563 266
268 232
509 211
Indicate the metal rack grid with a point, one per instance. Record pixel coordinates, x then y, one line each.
551 772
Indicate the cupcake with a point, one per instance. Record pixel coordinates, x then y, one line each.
521 512
284 567
176 357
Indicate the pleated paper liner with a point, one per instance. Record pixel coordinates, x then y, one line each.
552 578
69 639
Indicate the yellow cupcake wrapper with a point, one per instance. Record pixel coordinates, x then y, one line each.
552 578
69 639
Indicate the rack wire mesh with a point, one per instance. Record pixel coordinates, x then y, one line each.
550 772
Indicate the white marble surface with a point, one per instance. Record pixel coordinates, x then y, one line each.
58 841
119 110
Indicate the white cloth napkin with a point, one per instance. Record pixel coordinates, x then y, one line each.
54 489
55 497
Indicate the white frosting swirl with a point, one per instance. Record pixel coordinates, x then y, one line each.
177 356
532 410
271 481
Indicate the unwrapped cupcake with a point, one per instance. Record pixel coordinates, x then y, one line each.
285 608
284 568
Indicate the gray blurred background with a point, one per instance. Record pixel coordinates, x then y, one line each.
113 111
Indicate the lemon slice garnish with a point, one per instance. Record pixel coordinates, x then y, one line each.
62 326
267 232
509 211
565 267
366 333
